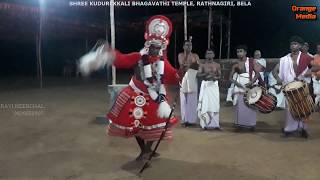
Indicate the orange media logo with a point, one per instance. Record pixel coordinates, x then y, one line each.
304 12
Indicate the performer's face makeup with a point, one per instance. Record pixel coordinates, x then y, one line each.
154 50
241 53
295 46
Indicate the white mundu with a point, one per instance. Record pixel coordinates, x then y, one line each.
189 97
209 104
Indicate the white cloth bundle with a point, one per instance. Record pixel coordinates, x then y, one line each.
95 60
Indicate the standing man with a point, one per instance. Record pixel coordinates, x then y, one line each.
246 76
189 89
209 97
293 66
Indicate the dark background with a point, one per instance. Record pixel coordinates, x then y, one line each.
266 25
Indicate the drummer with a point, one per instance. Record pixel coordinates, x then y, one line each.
246 75
292 67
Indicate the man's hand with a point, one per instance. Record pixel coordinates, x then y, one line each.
161 98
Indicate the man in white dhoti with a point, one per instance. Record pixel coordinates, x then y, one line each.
188 62
209 97
246 75
292 67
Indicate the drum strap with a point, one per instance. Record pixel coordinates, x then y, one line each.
250 68
303 63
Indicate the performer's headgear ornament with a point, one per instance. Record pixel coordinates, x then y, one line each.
158 31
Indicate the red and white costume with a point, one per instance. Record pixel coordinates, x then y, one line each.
136 111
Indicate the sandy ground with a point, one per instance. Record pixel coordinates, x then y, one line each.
62 140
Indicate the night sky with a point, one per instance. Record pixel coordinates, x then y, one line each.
266 25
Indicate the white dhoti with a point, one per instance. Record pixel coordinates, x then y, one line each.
292 123
273 90
242 79
245 116
209 104
189 97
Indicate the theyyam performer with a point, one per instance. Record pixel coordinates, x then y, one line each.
141 109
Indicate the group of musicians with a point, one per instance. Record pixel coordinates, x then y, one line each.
199 93
141 109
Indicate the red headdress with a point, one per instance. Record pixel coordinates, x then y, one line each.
158 30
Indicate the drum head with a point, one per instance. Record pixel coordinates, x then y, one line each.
293 85
254 94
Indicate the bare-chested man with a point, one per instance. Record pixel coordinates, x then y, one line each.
246 76
188 62
209 97
187 57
